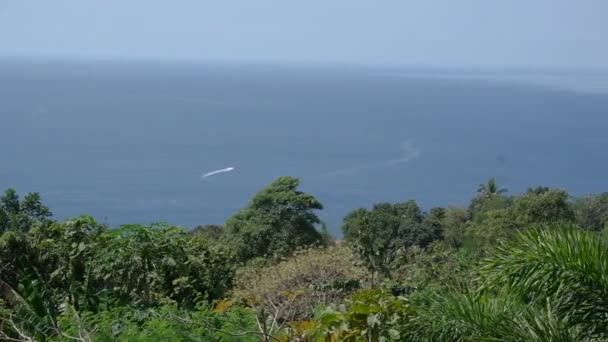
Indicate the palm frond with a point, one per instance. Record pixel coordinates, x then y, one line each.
561 262
467 316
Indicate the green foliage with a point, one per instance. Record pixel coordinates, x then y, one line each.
497 225
14 251
459 317
437 267
543 206
367 315
87 268
546 285
10 202
61 254
472 316
490 189
564 264
33 310
454 226
592 212
431 228
211 232
21 215
144 264
497 218
489 197
166 323
293 288
541 277
276 221
378 235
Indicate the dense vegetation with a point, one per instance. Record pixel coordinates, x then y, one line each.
528 267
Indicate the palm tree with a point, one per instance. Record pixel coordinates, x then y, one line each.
475 316
563 264
548 284
490 189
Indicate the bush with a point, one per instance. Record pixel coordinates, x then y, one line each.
296 286
436 267
166 323
142 265
367 315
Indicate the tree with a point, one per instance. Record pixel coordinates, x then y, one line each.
500 218
592 212
544 206
45 268
144 264
454 226
489 197
277 221
380 233
89 268
561 264
21 215
62 254
539 190
490 189
497 225
431 228
438 266
209 231
548 284
10 202
293 288
473 316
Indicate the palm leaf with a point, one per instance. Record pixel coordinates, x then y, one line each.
564 263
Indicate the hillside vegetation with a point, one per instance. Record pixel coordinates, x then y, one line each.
526 267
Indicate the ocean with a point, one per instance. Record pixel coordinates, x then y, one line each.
128 143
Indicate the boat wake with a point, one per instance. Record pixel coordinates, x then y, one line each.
213 173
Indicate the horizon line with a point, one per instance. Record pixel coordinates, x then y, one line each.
286 63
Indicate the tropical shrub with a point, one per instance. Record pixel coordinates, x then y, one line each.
592 212
563 264
377 235
437 267
548 284
293 288
367 315
142 265
165 323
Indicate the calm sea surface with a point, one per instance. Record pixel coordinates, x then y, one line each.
129 143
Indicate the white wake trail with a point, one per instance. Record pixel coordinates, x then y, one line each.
409 152
209 174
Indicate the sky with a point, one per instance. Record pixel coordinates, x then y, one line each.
505 33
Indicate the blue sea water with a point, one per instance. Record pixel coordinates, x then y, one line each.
128 143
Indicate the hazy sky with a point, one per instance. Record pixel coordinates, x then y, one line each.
428 32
